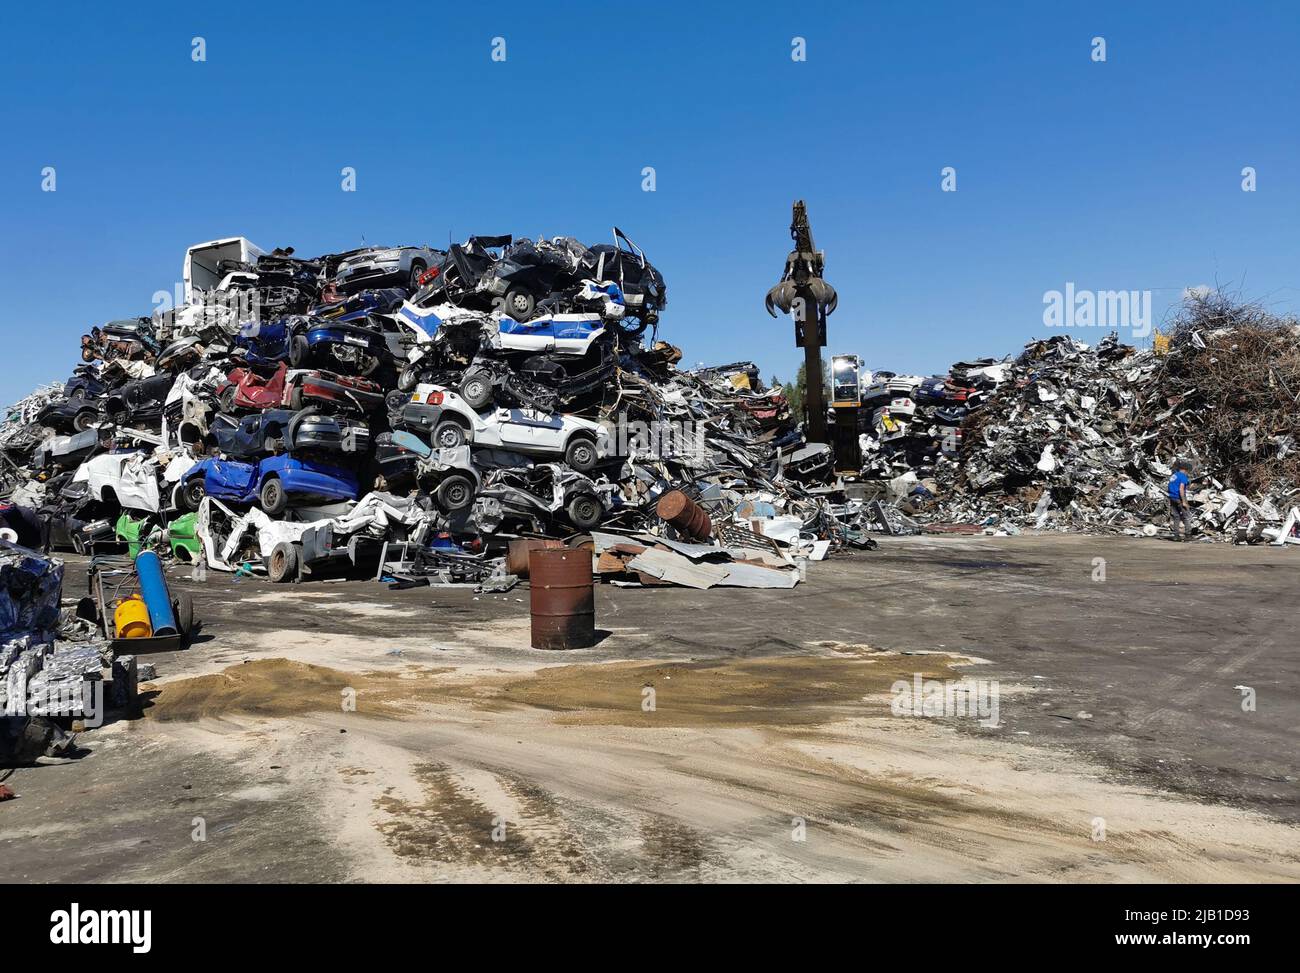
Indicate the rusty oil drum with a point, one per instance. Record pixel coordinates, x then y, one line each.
563 599
519 549
684 514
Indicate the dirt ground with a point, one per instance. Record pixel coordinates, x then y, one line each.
340 731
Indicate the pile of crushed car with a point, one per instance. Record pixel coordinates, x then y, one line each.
408 412
1068 436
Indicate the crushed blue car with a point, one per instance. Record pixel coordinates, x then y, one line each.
349 348
269 482
269 342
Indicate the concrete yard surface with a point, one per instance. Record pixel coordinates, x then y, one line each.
1146 730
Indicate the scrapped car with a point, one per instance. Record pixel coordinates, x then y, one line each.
311 429
288 550
138 402
350 347
454 277
181 354
269 482
128 338
133 479
268 343
385 265
642 285
542 497
404 459
304 387
451 422
251 436
571 334
528 273
245 388
78 410
66 452
286 430
189 404
359 306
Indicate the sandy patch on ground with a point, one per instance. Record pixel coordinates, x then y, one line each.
778 769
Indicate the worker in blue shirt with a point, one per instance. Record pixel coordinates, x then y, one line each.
1178 509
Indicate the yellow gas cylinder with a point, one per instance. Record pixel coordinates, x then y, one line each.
131 619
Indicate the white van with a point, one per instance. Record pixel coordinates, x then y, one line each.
203 260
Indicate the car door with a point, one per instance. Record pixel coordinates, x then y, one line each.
229 479
532 429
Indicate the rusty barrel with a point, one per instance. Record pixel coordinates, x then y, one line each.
685 514
563 599
518 550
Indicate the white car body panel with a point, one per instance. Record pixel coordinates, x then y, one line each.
523 430
201 260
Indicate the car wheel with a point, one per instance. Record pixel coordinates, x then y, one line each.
476 390
274 499
226 400
586 511
191 495
395 399
408 378
295 398
417 268
456 492
183 609
447 435
282 564
520 304
83 420
580 453
298 349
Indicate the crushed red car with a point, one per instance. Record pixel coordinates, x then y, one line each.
245 388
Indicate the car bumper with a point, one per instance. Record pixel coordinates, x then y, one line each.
419 416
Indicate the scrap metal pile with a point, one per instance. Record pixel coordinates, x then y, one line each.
407 412
1073 437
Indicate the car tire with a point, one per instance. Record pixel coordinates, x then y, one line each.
408 378
272 497
456 492
83 420
191 495
448 434
282 563
476 389
520 304
226 400
417 268
580 454
586 511
395 399
295 398
298 350
183 609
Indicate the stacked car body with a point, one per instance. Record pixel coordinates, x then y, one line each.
473 384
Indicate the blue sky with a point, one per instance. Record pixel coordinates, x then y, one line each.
1115 175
